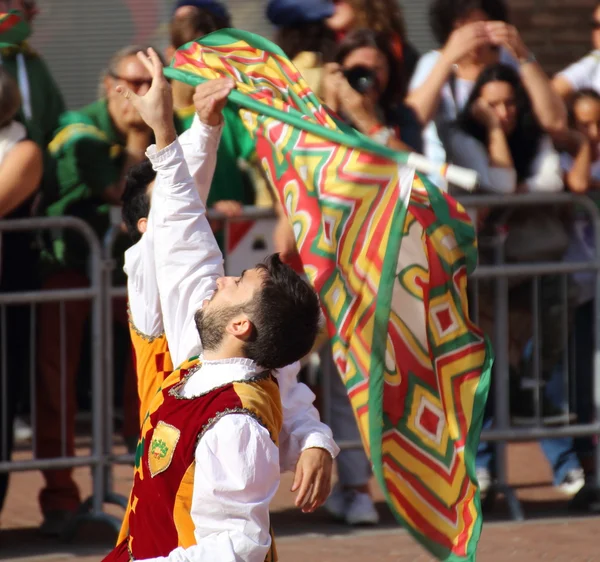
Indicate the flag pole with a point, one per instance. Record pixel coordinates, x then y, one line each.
461 177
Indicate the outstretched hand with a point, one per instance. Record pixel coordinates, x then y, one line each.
156 106
312 479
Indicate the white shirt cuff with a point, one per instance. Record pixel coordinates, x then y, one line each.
321 441
160 158
209 138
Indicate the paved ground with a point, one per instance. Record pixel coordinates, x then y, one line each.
551 532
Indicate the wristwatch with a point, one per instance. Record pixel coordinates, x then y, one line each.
526 60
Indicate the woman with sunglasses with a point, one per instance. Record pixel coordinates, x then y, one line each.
585 73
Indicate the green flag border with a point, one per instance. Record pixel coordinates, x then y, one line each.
376 380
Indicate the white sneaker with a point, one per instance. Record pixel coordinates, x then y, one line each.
360 510
21 430
484 478
336 503
573 482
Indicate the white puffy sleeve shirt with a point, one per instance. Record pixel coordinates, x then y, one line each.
188 263
237 463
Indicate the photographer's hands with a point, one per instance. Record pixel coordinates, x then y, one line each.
341 97
332 75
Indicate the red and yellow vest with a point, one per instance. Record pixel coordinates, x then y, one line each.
159 517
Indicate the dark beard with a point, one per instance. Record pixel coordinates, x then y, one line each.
211 325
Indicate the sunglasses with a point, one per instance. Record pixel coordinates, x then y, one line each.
594 24
136 84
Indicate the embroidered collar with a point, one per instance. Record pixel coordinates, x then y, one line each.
243 362
216 373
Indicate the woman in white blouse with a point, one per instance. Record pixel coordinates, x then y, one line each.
498 135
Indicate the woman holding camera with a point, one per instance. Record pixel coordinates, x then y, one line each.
381 16
363 86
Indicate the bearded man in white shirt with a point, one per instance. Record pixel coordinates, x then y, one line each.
306 445
209 462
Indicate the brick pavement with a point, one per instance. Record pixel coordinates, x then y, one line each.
552 536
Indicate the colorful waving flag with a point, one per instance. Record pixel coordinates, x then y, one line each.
389 255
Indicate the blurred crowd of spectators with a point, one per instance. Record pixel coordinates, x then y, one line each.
480 100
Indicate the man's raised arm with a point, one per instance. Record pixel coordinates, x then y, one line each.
187 258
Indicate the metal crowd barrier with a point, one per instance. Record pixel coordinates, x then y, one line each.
101 293
91 508
502 432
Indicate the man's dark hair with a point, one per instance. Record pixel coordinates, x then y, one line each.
195 24
284 313
443 14
135 199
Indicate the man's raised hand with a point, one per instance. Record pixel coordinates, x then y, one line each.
210 98
156 106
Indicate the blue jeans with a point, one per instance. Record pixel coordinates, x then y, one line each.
560 452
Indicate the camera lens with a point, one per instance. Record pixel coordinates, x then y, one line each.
361 78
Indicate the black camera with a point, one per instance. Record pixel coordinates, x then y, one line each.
361 78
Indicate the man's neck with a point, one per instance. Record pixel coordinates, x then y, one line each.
183 95
224 352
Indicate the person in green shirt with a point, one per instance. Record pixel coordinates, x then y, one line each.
92 150
232 186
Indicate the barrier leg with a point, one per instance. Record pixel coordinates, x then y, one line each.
91 509
110 496
501 385
588 499
594 503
